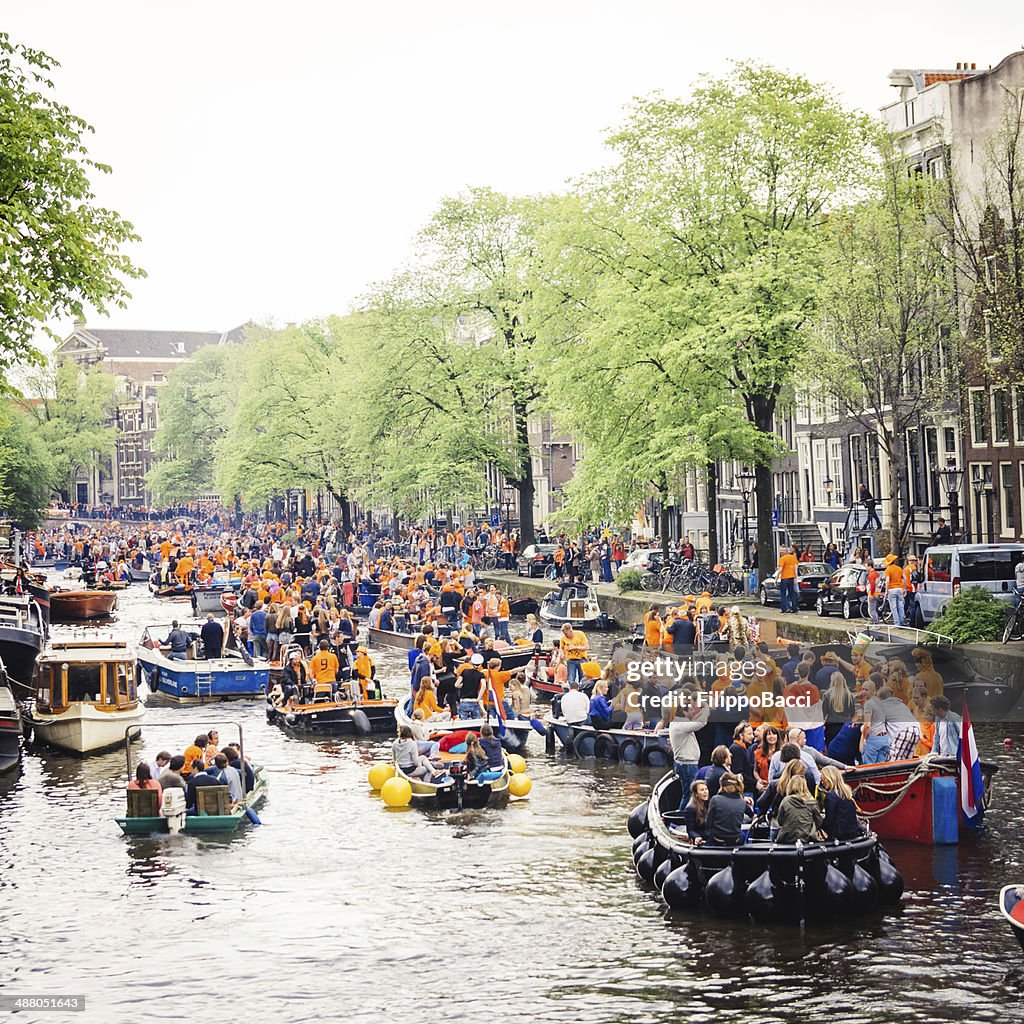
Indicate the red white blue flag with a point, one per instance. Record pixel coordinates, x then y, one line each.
972 786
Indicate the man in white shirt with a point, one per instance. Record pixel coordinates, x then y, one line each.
946 742
689 719
575 705
874 740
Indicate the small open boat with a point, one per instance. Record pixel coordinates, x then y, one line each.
85 697
1011 906
577 604
454 791
22 633
81 605
336 718
392 638
146 814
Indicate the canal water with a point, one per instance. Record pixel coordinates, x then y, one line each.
339 909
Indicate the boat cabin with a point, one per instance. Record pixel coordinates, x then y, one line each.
85 673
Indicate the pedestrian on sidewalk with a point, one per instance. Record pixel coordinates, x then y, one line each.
787 567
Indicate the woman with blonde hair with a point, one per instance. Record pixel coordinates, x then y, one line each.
799 818
837 705
838 805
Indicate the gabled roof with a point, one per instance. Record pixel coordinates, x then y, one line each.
156 345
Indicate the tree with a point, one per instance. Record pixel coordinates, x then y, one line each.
886 300
26 472
72 411
58 250
732 188
290 427
196 408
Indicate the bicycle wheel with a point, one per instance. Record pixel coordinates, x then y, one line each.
1014 629
650 582
551 573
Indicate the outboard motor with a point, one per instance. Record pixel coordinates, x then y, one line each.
173 809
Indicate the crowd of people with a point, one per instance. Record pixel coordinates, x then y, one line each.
204 762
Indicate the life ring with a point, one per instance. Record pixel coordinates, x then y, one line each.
584 744
606 747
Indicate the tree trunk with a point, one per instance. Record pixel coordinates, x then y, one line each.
341 497
524 485
712 496
896 471
765 536
661 518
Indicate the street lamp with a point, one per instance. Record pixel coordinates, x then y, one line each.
978 483
508 490
746 480
829 485
952 480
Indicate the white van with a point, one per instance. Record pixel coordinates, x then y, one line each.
948 568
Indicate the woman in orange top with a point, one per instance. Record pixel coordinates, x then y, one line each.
653 632
426 701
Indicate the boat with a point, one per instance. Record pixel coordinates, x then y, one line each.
22 634
577 604
10 725
916 800
233 676
86 697
453 791
770 882
81 605
392 638
210 597
523 606
34 583
1011 906
336 718
517 730
630 746
146 814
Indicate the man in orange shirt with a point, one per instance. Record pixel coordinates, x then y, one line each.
787 581
894 588
324 666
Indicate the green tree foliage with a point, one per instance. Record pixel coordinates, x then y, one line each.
26 471
72 413
729 191
885 302
973 616
59 251
196 408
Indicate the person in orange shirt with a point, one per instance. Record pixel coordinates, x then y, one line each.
653 633
494 679
787 569
894 588
324 666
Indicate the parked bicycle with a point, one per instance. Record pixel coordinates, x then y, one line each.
1014 628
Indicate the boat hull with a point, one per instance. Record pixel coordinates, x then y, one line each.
10 728
200 682
84 729
336 719
393 639
19 649
630 746
1009 898
458 793
201 824
81 605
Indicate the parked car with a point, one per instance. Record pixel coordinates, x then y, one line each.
808 576
948 568
534 559
845 593
640 558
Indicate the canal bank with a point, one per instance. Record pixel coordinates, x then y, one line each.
997 661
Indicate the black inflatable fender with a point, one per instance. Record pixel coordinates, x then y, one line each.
606 747
760 898
647 865
361 723
637 820
681 890
584 744
721 893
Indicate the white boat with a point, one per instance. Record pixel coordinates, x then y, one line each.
517 730
577 604
86 696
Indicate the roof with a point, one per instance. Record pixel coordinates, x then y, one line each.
157 345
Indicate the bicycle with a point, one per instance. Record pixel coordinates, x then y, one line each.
1014 628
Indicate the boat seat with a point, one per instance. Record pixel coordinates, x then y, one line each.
212 800
143 803
322 693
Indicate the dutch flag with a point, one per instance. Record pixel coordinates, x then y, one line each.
972 786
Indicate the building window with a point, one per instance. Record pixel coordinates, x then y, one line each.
1018 414
908 114
949 440
979 416
1000 417
990 272
937 167
1006 489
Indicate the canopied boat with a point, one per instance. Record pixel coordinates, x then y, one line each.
770 882
81 605
917 800
577 604
1011 906
10 724
85 697
336 717
22 633
194 680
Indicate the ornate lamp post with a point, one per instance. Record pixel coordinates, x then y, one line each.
747 481
952 480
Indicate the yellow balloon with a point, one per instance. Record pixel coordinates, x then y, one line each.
520 785
379 774
396 792
517 763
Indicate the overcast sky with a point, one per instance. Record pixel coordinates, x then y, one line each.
278 157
